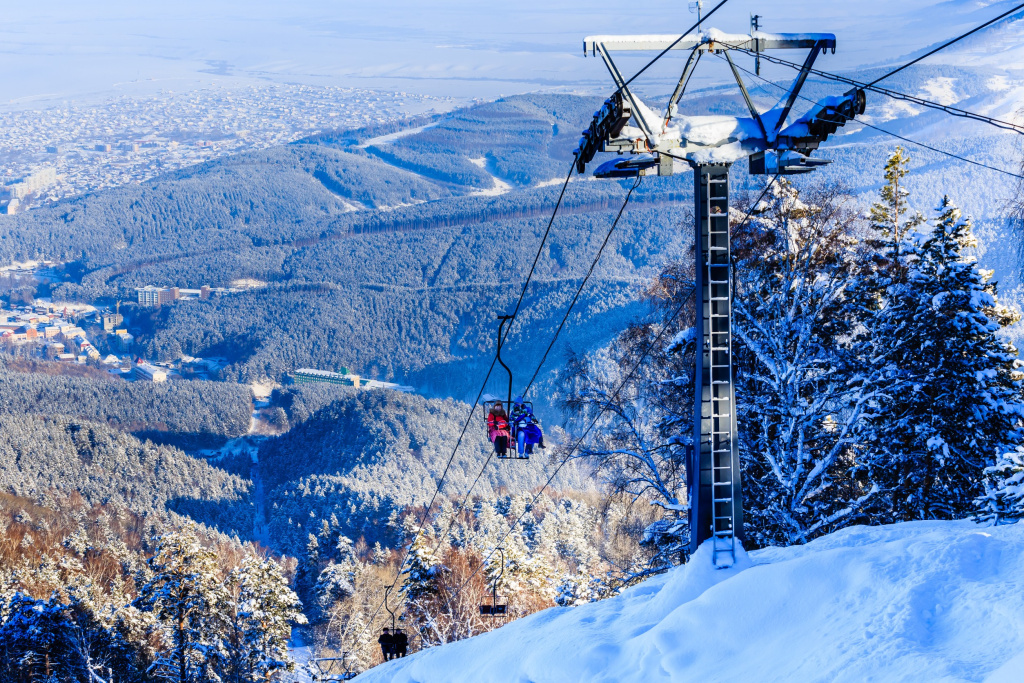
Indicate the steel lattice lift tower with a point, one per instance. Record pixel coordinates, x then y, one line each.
660 145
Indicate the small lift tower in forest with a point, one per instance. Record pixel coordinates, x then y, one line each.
649 143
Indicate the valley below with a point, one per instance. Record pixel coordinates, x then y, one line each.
265 384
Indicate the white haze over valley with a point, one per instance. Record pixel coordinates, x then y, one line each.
54 51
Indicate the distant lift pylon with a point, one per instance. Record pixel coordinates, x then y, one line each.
651 144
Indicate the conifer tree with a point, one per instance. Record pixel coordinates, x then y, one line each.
187 596
309 568
260 614
883 264
952 395
380 556
1003 500
421 566
892 218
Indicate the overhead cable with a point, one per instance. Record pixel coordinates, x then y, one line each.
671 45
615 395
472 410
894 94
948 43
890 133
593 265
583 284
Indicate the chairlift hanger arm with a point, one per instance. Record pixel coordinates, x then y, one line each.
504 319
387 592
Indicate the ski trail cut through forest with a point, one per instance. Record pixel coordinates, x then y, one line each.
260 528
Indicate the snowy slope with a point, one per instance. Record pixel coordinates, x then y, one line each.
922 601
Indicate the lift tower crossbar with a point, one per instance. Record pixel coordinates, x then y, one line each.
650 143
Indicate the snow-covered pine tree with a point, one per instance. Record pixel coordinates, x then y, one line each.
36 640
952 389
308 570
260 613
187 595
135 643
420 587
380 555
1003 500
336 581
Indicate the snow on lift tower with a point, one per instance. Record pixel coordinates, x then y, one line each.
651 144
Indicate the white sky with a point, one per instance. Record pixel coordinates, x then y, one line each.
59 49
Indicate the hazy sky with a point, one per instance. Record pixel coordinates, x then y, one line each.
54 50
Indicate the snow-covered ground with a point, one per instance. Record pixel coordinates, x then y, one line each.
921 601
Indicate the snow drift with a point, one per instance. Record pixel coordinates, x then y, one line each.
920 601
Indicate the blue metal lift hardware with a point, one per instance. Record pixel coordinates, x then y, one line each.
651 144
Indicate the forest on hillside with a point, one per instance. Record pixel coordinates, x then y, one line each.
365 458
849 410
49 458
97 592
191 414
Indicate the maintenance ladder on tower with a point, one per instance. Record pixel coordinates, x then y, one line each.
716 424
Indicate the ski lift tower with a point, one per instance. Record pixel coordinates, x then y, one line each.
652 144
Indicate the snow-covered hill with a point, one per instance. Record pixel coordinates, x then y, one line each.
921 601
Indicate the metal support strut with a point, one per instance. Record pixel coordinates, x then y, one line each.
773 145
716 504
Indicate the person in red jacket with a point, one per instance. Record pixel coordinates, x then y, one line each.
497 428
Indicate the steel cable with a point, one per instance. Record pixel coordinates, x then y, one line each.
582 285
465 427
894 94
593 423
888 132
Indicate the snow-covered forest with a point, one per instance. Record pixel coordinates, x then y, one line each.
245 528
189 414
875 384
95 592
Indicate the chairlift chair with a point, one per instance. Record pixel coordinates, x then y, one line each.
395 631
518 438
498 607
515 450
325 669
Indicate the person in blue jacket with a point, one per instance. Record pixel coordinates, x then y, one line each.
522 418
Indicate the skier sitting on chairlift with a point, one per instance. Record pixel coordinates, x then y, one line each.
497 428
523 420
387 644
